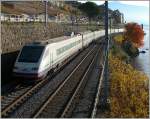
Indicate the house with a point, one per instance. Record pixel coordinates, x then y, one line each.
51 18
118 16
39 17
14 17
24 17
4 17
56 3
122 18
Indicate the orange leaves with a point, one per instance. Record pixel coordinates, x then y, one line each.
134 33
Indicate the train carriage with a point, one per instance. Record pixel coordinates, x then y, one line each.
36 59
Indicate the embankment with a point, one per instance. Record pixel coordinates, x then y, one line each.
127 84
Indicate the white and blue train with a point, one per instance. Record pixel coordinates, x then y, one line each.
36 59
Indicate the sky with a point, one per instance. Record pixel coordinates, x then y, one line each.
134 11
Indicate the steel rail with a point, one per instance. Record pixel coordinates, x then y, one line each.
94 110
64 113
50 98
20 99
104 66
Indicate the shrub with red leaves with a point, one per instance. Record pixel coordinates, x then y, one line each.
133 32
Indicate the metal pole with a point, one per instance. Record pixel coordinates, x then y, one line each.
142 26
77 25
106 54
45 13
106 20
110 24
106 26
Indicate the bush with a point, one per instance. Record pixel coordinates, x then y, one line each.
134 33
126 45
119 52
131 50
119 38
129 90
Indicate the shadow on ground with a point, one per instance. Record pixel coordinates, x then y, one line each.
7 63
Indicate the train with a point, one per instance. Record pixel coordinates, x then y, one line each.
35 60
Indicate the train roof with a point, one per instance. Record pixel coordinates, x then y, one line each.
58 39
62 38
53 40
45 42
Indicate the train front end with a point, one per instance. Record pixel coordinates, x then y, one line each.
28 62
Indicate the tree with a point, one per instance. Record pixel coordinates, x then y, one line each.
135 34
90 9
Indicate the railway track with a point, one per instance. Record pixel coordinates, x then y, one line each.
10 98
86 102
97 96
78 91
62 101
15 100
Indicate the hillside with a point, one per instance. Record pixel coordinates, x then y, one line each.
53 7
30 7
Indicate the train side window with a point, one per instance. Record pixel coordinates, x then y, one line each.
67 47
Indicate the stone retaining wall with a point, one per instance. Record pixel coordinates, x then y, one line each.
15 35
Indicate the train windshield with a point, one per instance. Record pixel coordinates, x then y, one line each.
30 54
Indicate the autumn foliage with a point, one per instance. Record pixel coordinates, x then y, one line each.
129 97
129 91
134 33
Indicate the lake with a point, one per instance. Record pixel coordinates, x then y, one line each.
142 62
